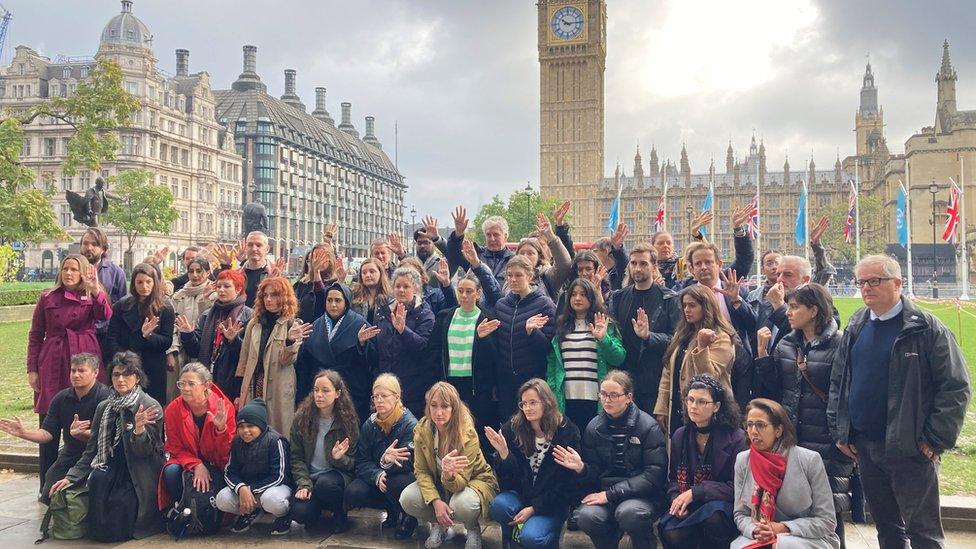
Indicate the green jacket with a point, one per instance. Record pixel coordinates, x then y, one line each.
610 353
303 448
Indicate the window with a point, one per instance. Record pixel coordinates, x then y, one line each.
185 157
162 152
152 148
66 73
84 72
50 146
66 183
85 179
65 215
26 149
132 87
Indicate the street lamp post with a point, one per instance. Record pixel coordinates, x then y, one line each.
691 219
934 189
413 223
528 207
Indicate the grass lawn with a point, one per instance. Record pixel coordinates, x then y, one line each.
25 285
958 466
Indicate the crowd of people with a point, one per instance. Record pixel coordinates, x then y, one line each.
641 392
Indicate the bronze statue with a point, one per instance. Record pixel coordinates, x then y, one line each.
86 209
255 218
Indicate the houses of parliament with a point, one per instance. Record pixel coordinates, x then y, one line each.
572 43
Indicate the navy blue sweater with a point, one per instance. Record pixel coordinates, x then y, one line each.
870 360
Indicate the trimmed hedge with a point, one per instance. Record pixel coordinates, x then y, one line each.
27 296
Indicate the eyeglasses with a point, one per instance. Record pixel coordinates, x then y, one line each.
380 398
528 404
873 282
757 425
610 397
187 384
692 401
120 373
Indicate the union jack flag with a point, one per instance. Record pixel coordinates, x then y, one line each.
659 218
752 227
849 225
952 210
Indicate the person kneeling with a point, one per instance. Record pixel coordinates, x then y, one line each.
625 458
323 442
257 473
449 467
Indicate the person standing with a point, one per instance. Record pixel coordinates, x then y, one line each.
899 390
495 255
190 301
94 246
187 257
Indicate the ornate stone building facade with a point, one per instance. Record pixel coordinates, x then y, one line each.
306 170
572 57
175 135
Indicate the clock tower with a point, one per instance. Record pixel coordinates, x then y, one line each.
572 61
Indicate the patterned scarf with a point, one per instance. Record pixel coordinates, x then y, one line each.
768 470
113 424
331 326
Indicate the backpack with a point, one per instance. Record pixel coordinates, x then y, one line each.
66 515
196 512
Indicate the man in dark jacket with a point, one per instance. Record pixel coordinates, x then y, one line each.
188 255
745 253
647 314
899 390
493 254
706 267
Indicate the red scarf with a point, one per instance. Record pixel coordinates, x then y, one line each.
768 470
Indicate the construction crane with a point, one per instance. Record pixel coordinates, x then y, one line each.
4 23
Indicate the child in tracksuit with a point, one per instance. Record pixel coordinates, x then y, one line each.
258 473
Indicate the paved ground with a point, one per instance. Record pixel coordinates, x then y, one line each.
20 517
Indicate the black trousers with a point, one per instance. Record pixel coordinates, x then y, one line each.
361 494
717 530
47 454
580 412
903 496
327 494
483 409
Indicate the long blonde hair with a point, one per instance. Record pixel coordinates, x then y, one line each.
460 415
82 267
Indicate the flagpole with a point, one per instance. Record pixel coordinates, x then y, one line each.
908 224
806 220
857 209
962 220
758 247
711 191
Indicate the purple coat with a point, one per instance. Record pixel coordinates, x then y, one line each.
63 325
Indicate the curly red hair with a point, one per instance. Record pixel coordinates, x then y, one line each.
280 285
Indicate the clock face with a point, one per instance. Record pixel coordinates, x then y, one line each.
567 23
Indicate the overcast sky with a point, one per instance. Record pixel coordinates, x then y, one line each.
462 77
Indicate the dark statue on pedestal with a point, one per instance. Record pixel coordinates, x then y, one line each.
255 218
86 209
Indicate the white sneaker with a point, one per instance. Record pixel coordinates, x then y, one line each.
436 537
473 539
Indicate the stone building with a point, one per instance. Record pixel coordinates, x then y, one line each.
175 135
306 170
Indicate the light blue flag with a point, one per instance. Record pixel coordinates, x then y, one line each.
901 217
707 207
614 212
801 219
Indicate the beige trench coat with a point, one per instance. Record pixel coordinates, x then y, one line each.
279 371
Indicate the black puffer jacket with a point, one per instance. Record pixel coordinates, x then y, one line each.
780 379
645 459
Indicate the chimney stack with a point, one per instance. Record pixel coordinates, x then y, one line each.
346 124
370 136
249 79
182 62
320 111
290 97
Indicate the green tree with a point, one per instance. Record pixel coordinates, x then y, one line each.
873 230
141 206
520 211
99 106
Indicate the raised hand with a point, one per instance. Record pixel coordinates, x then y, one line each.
619 235
430 227
394 455
599 326
559 214
80 429
568 457
599 275
144 416
819 230
731 285
149 326
700 220
470 254
366 333
340 269
299 330
535 322
398 317
453 463
240 252
543 227
497 441
763 337
340 448
775 295
183 325
488 327
641 324
396 244
91 280
219 418
281 263
160 255
706 337
231 328
460 216
740 216
329 231
443 273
